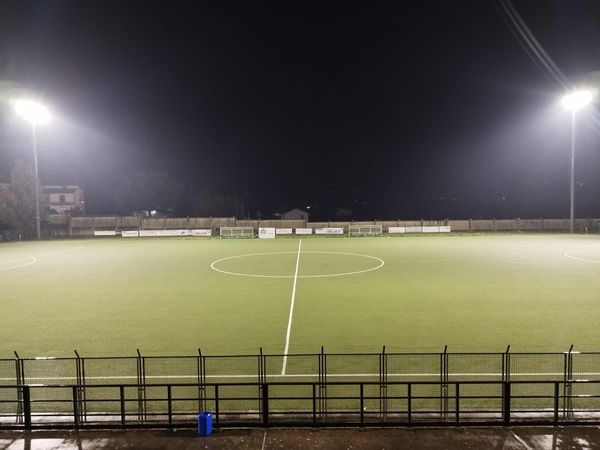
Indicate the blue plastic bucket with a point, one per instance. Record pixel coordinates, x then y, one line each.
205 423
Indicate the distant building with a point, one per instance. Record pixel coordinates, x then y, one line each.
156 213
295 214
63 199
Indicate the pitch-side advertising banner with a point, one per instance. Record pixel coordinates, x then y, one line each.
105 233
172 233
329 230
442 229
397 230
201 232
266 233
303 230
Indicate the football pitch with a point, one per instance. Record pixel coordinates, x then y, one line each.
173 296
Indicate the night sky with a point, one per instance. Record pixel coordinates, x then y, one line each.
424 109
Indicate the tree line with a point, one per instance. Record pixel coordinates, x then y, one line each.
139 192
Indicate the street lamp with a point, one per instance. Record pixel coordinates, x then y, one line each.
36 114
573 102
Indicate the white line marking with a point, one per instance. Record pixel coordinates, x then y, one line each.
327 275
289 327
595 261
15 260
64 249
521 441
29 259
264 441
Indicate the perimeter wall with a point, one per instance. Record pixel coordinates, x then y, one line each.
65 225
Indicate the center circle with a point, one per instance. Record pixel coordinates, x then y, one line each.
374 263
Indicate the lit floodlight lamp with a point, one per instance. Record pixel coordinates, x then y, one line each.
573 102
33 112
36 114
578 99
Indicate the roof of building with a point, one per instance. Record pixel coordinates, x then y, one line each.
295 210
60 189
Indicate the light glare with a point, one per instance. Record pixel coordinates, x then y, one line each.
33 112
578 99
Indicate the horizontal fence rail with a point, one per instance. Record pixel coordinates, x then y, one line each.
320 388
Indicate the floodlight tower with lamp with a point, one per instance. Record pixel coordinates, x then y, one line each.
573 102
36 114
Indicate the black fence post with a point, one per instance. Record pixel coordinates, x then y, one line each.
444 383
75 407
362 403
506 365
409 395
217 419
322 384
27 407
20 380
170 406
505 376
80 373
201 368
556 401
122 404
568 400
141 387
265 404
506 402
383 376
314 403
261 379
565 384
457 401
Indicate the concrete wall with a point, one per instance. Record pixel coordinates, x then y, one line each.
64 225
278 223
552 225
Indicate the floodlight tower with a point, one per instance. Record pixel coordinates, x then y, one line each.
573 102
36 114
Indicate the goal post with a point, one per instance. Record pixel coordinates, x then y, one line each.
236 232
365 230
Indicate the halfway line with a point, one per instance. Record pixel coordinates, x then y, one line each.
289 327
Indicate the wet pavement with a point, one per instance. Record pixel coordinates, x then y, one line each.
517 438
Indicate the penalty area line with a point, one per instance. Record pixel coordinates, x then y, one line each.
290 318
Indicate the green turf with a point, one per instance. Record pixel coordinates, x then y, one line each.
473 293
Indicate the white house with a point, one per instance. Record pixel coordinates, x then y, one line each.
63 199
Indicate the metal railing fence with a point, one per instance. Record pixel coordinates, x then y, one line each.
300 404
432 381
